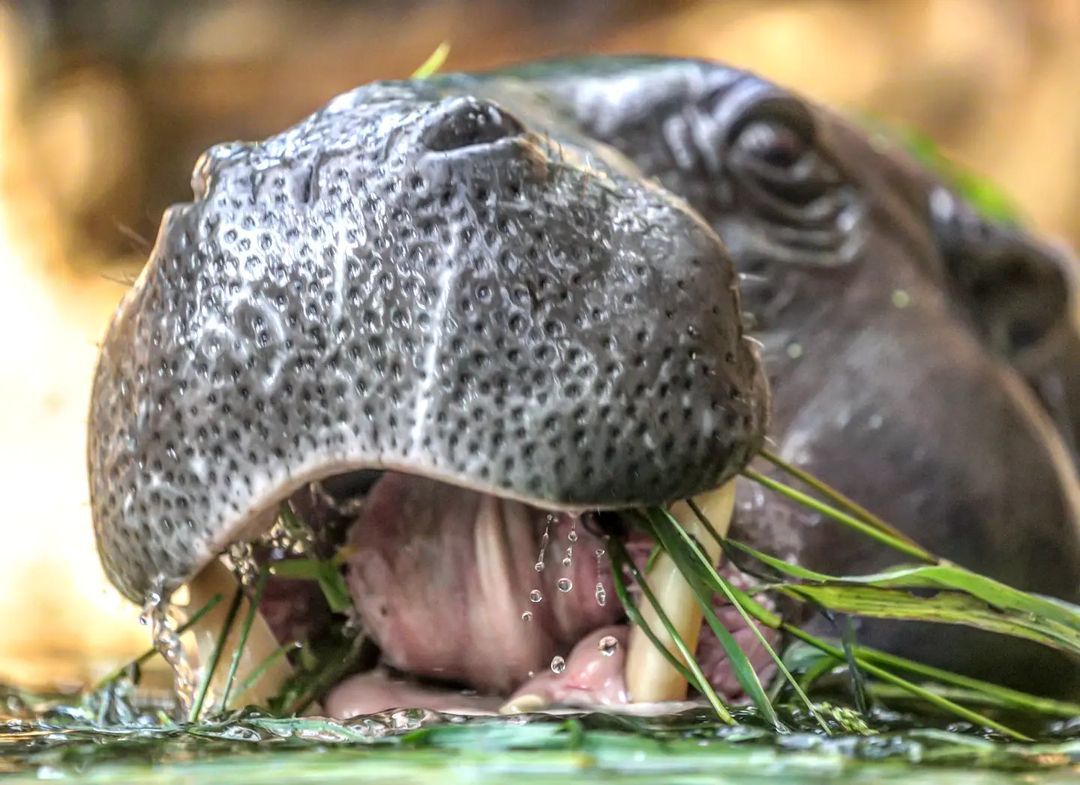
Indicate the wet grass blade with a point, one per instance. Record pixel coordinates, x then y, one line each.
838 498
725 587
147 655
262 667
326 573
948 607
666 530
245 630
697 676
770 619
993 694
215 657
619 560
923 693
335 671
962 597
870 530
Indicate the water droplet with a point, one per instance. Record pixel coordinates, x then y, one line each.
608 644
572 535
558 664
544 538
601 594
564 585
794 350
526 616
536 595
245 568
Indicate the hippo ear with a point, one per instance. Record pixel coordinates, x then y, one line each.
1023 297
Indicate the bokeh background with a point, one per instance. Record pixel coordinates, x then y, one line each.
105 105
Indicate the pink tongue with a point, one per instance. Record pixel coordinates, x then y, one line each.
591 676
443 577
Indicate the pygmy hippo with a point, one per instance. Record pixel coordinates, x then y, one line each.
459 320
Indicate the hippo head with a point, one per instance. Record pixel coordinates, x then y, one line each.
412 282
920 354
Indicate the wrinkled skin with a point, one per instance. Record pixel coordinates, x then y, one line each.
921 360
898 327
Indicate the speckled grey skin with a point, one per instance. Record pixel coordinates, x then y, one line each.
414 279
899 329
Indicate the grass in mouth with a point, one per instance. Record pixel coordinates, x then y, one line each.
961 597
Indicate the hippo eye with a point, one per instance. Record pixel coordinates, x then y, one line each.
779 159
467 122
774 145
783 176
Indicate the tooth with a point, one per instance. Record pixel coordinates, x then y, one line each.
216 578
649 676
523 704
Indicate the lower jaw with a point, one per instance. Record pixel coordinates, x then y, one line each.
610 665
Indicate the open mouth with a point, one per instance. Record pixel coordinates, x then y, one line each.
471 602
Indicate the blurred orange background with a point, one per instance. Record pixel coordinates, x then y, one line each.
104 107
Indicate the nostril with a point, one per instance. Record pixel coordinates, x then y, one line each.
465 122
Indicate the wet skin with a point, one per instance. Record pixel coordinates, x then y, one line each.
899 331
921 359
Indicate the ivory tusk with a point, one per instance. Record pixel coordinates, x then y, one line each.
649 676
216 578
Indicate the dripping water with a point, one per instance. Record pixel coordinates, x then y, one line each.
601 592
156 614
544 539
536 595
571 537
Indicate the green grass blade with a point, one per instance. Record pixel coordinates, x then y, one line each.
245 630
770 619
840 516
995 693
911 688
962 597
726 587
262 667
698 676
215 657
619 559
950 577
326 573
779 565
838 498
946 607
682 550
